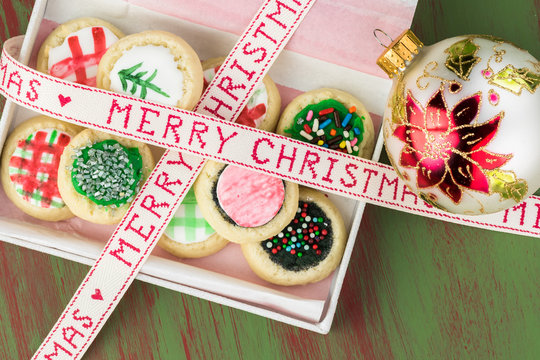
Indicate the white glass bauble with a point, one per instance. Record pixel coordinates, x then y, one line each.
462 125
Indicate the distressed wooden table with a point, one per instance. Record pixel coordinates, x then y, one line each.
415 288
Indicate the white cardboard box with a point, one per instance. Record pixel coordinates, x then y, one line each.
193 277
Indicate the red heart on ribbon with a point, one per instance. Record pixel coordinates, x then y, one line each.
63 99
97 295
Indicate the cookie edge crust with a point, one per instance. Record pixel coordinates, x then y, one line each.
234 233
210 246
187 60
58 35
79 204
22 131
263 266
367 145
271 119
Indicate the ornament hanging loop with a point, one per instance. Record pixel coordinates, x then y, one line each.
399 53
376 33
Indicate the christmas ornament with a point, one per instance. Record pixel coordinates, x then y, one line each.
462 123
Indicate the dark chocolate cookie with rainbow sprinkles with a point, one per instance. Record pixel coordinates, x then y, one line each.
307 250
330 118
100 174
243 205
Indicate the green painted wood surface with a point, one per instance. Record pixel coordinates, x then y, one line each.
415 288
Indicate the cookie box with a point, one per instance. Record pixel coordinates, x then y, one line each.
224 277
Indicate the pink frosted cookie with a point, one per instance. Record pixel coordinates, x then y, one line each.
243 205
73 50
262 109
30 161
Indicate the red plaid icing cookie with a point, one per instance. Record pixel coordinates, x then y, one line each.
73 50
262 109
30 163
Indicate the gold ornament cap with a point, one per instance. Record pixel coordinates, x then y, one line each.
399 52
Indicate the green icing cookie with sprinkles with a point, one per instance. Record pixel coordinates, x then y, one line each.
329 118
100 174
107 172
307 250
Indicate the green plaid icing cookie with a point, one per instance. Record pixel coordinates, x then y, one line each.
188 226
188 234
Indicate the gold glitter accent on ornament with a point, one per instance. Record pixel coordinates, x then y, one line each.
514 80
492 94
453 86
507 185
462 58
397 102
428 199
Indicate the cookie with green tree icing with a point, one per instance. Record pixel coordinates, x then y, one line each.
153 65
99 175
330 118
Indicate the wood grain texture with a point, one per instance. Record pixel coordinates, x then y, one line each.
416 288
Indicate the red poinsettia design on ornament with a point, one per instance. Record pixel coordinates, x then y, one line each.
447 147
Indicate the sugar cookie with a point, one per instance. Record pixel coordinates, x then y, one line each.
188 234
243 205
330 118
73 50
262 109
307 250
100 174
153 65
30 161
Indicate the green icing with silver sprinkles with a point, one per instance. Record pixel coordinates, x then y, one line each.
107 173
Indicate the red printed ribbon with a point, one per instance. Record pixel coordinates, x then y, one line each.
145 221
212 138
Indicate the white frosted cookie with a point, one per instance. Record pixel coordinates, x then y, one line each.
243 205
100 174
262 109
188 234
330 118
153 65
73 50
29 170
307 250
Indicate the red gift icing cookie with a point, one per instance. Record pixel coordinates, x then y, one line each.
262 109
73 50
